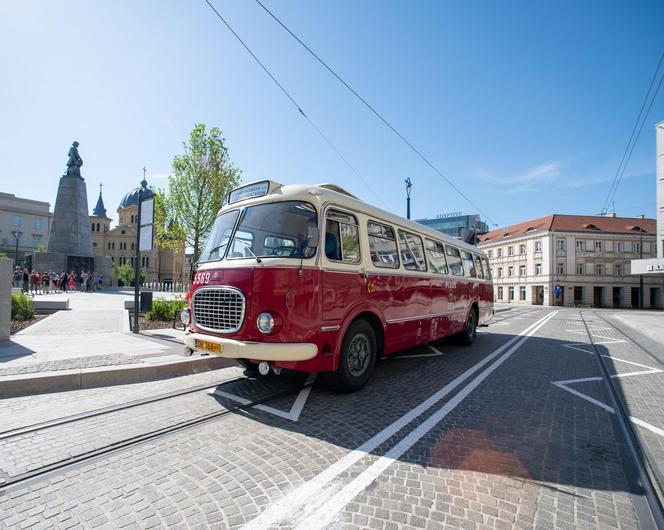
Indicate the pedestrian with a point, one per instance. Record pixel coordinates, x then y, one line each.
63 281
26 280
51 280
18 277
72 281
46 283
101 281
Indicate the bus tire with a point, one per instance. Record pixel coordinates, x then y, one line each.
467 336
357 358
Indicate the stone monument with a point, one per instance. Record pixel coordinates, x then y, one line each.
69 241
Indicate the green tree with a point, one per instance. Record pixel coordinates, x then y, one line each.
201 178
125 273
167 233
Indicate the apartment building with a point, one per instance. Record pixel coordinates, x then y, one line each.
22 221
572 260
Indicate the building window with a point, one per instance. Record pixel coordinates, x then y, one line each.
97 227
132 246
538 246
113 245
490 254
109 245
580 245
36 238
112 259
538 269
511 293
522 293
560 269
637 248
500 272
122 231
579 269
17 221
599 269
500 252
510 271
560 244
618 269
510 251
522 249
94 243
92 227
598 246
500 293
619 246
522 270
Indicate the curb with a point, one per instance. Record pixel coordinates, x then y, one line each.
64 380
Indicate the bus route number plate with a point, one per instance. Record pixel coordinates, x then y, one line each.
212 347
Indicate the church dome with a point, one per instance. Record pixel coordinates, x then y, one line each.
131 197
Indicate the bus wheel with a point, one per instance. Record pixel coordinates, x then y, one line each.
467 336
356 360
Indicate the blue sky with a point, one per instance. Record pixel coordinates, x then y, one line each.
526 106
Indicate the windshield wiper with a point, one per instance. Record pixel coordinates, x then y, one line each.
248 247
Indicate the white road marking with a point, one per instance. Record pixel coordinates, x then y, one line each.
637 421
313 490
325 514
293 414
576 347
608 341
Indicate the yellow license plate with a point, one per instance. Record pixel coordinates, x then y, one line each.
212 347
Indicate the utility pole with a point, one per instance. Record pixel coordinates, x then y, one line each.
17 235
409 186
641 275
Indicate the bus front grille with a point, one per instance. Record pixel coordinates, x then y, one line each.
218 309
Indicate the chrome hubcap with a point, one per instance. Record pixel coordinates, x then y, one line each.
471 325
358 354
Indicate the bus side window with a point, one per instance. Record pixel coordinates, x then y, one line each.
478 266
468 265
436 255
342 239
383 246
454 260
412 251
487 269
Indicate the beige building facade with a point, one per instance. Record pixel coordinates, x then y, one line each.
28 219
572 260
163 265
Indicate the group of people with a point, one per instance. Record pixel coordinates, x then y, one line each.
45 282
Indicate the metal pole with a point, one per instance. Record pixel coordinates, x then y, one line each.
641 275
137 264
16 253
409 186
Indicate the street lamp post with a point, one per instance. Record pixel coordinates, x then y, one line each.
409 186
17 235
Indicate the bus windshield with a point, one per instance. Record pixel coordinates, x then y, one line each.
215 248
286 229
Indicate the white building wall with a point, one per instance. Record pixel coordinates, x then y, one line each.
660 189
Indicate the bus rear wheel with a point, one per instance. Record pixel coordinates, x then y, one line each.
357 358
467 336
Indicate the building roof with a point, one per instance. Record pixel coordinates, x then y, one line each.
131 197
574 223
100 209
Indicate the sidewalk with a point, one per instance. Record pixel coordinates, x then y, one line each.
90 339
647 323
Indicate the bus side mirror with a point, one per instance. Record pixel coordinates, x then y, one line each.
312 237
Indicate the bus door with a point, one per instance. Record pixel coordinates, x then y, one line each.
344 282
441 285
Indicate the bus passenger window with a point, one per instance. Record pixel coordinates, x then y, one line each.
478 266
342 240
454 260
487 269
383 246
468 265
412 251
436 255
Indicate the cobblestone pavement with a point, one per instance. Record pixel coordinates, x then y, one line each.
452 437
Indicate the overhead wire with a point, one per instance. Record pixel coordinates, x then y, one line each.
293 101
624 161
374 111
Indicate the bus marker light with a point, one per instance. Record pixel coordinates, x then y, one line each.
263 368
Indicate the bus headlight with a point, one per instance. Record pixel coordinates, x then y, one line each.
265 323
185 316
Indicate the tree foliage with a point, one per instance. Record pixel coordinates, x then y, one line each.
202 177
125 273
167 233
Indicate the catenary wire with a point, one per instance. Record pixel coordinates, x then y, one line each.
293 101
623 163
375 112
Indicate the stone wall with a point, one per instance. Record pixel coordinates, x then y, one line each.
6 271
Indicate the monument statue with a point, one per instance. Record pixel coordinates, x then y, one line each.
74 163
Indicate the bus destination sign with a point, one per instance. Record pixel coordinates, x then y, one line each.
249 191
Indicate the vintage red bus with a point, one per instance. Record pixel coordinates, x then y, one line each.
309 278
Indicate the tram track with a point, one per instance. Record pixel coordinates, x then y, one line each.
647 472
88 456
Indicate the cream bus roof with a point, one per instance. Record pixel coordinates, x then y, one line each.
320 194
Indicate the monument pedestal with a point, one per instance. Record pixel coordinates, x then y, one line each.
70 227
